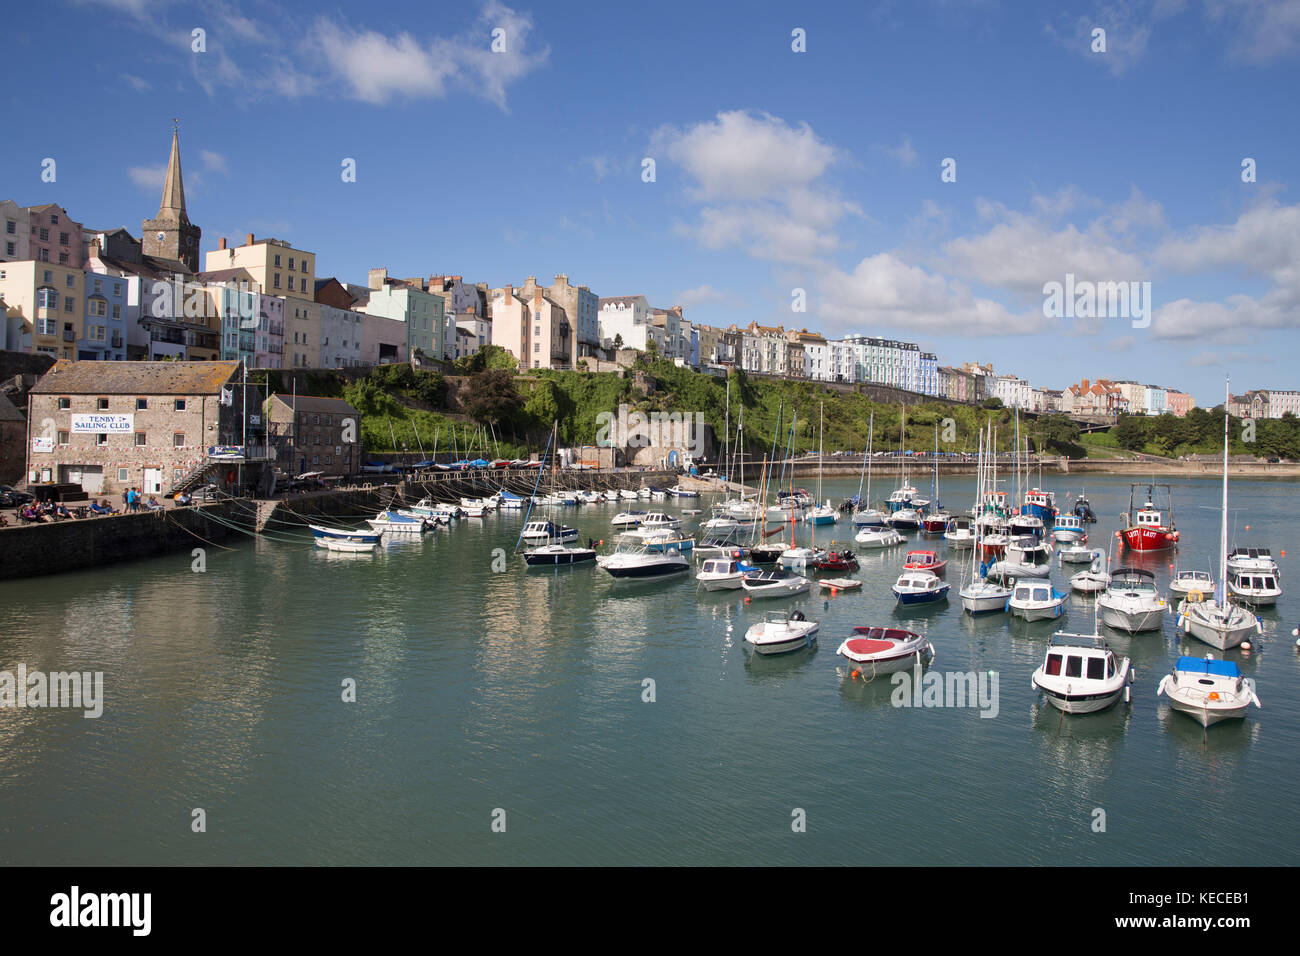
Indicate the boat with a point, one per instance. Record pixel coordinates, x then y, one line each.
1256 588
634 560
440 512
657 519
1132 603
780 632
1036 601
556 555
960 532
1252 559
774 584
1026 557
905 518
1083 510
547 531
677 491
393 523
722 520
765 553
1076 554
356 536
664 539
1041 505
1021 525
627 519
1068 529
1219 622
1080 674
865 516
723 574
1095 580
919 587
840 584
1208 690
884 650
924 561
1145 528
1187 582
822 515
643 492
512 501
800 559
837 561
479 504
935 520
870 537
980 596
343 544
627 495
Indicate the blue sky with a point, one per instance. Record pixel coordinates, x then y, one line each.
774 170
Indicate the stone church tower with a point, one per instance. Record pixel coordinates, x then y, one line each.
171 235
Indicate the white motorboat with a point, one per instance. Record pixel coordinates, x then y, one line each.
781 632
627 495
1208 690
628 519
547 531
1068 529
906 519
479 504
354 535
1081 674
723 574
643 493
1096 579
1255 588
872 651
632 560
1026 557
343 544
800 559
657 519
664 539
746 509
919 587
1076 554
868 518
871 537
960 532
442 513
558 555
775 584
1188 582
1036 601
1132 603
393 523
1252 559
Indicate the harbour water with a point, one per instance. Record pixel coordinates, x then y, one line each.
523 691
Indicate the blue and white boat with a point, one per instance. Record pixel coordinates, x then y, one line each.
919 587
547 531
393 522
1068 529
357 536
1041 505
677 491
512 501
1208 690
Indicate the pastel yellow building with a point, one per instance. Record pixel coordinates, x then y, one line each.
278 268
50 299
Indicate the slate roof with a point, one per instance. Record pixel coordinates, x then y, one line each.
69 377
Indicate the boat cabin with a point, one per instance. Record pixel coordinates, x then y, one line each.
921 560
1148 517
1035 593
1132 580
1080 656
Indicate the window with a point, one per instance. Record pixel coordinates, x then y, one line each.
63 438
43 255
537 346
277 261
178 405
97 307
1074 666
45 235
63 238
304 266
140 439
47 327
122 474
96 333
178 439
327 459
290 283
47 298
63 258
277 280
103 404
70 281
1096 668
67 304
54 220
141 404
315 459
117 311
101 439
65 403
11 227
10 250
290 264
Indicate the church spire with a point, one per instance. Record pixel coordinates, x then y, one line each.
173 195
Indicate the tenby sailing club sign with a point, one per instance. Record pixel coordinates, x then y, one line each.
103 424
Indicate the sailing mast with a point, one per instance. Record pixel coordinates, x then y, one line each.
871 431
1221 593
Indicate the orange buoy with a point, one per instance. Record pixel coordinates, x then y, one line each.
834 591
746 600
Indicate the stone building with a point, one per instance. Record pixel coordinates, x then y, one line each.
170 234
151 425
315 434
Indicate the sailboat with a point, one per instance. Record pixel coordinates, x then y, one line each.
979 596
903 499
1219 622
865 516
936 520
822 513
795 558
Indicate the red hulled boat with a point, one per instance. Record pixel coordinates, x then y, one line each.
1146 528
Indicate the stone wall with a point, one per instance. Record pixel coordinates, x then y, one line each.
72 545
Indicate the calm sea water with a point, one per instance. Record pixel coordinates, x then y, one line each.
522 691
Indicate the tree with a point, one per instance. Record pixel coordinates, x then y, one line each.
992 402
491 397
618 341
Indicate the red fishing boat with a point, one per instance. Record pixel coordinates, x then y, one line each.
1147 528
924 561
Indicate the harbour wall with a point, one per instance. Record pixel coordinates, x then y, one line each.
74 544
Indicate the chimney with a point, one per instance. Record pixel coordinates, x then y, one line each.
248 239
222 243
508 291
1084 383
376 278
94 248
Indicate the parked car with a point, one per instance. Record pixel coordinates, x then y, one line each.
11 497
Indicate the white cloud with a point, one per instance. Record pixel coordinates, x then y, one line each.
702 295
213 161
150 177
376 68
904 153
1261 31
139 84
